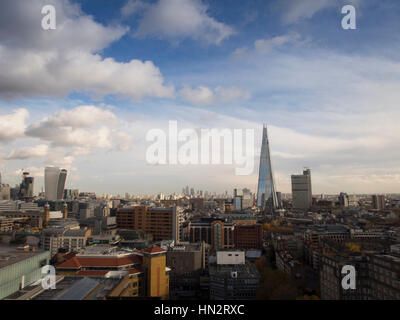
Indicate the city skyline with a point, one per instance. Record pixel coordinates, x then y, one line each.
329 95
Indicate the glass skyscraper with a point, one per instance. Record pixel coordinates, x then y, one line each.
266 192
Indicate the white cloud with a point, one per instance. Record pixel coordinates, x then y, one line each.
132 7
80 117
180 19
82 127
294 11
12 125
38 151
204 95
56 62
33 171
267 45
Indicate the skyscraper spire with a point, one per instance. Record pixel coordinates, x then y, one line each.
266 192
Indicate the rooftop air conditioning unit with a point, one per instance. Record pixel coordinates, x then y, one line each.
234 274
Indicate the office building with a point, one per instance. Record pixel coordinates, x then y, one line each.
301 190
54 183
248 236
343 199
232 277
161 223
26 187
218 233
378 202
266 192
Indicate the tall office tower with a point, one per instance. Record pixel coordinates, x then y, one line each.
26 187
301 190
61 184
54 183
266 193
378 202
343 199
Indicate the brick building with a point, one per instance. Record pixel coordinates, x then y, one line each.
161 223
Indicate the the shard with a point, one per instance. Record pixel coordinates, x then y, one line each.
266 192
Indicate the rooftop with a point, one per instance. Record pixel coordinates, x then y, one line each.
10 255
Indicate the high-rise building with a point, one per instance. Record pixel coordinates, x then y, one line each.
301 190
343 199
266 193
61 184
378 201
26 187
54 183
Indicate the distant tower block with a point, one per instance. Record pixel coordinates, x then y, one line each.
46 215
65 211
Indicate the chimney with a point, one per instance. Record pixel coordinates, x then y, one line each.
65 211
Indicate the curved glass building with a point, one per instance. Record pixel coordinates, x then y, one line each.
54 183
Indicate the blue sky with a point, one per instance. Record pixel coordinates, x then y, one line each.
330 96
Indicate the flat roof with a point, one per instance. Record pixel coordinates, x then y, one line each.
10 255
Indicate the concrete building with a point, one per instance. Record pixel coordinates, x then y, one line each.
301 190
20 268
378 202
232 277
187 262
63 234
5 192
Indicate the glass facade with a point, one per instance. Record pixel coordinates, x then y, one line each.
266 193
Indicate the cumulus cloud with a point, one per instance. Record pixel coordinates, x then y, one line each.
67 134
204 95
38 151
82 127
12 125
180 19
56 62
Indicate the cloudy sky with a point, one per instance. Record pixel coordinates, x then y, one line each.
84 96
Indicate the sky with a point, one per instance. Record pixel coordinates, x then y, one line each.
85 95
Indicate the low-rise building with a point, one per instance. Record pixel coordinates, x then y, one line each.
20 268
232 277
